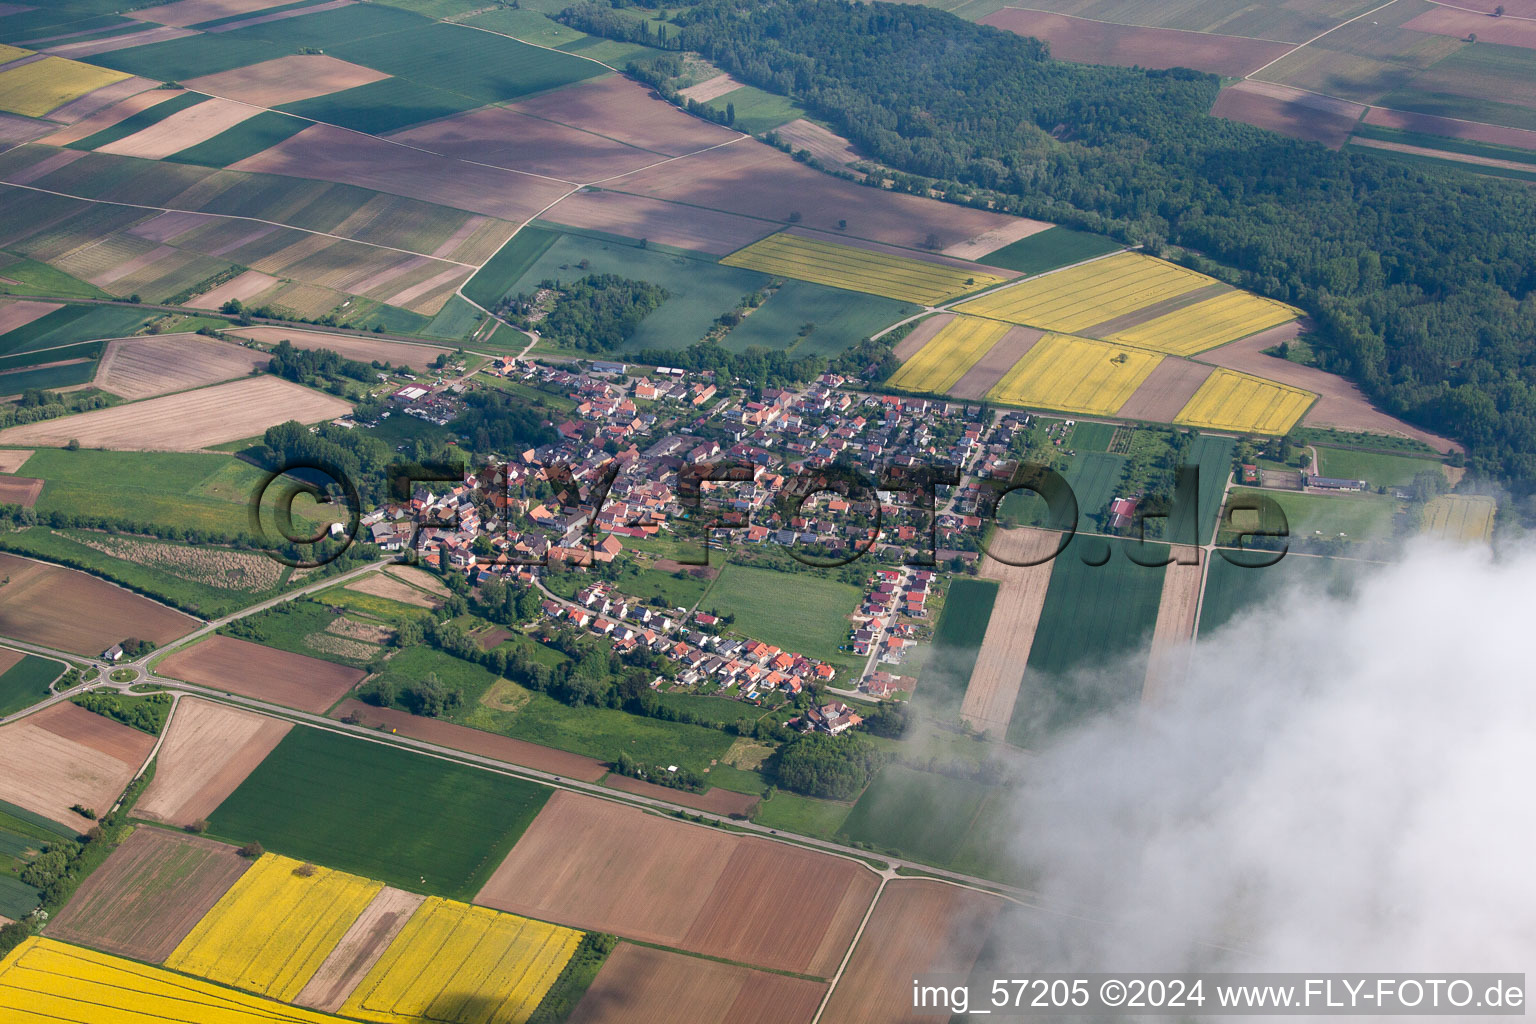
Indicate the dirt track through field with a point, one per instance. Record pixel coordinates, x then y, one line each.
208 751
159 364
359 950
989 369
1168 658
265 673
74 611
639 985
66 755
999 670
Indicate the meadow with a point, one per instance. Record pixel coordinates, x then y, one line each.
1077 375
1089 651
1212 455
757 111
1234 590
497 278
959 346
415 822
71 325
860 270
1379 469
190 490
803 815
956 643
26 682
922 815
838 320
1046 250
814 622
1353 516
1234 401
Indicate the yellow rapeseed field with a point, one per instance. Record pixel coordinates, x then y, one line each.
459 964
43 980
1459 517
1229 400
859 270
1207 324
1075 375
274 929
1074 299
948 355
34 89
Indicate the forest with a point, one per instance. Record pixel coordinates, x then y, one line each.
1420 281
596 314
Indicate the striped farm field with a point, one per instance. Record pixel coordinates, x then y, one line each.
273 930
858 270
946 358
1075 375
458 964
34 89
1204 325
1229 400
46 980
1092 293
1459 517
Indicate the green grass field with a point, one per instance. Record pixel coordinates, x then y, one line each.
803 815
1088 436
191 56
1231 590
247 138
383 106
956 642
407 819
796 610
1213 456
458 319
1094 477
1089 649
757 110
287 627
919 814
17 381
1049 249
138 122
26 682
515 259
29 277
528 25
1377 468
839 319
85 350
1353 516
72 325
17 899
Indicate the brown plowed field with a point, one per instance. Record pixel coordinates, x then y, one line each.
994 685
359 950
107 95
1451 128
159 364
921 335
996 238
19 314
1099 42
628 111
1175 630
286 80
753 179
149 894
66 755
593 864
183 129
195 12
351 347
506 138
918 926
20 490
242 289
76 612
475 741
380 585
1167 389
332 154
1339 403
418 578
1292 112
711 88
638 985
1447 21
47 165
715 800
108 116
8 658
208 751
265 673
989 369
186 421
638 217
12 459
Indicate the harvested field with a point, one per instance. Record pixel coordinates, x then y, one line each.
860 270
32 90
149 894
521 142
1465 518
1450 127
1240 402
1075 375
208 751
11 460
1340 403
711 88
921 335
183 129
1167 389
351 346
962 343
418 578
639 985
19 490
1458 24
753 179
159 364
993 688
195 12
242 289
16 130
327 153
108 116
831 149
76 612
272 83
380 585
1301 115
474 741
618 108
918 926
715 800
66 755
107 95
265 673
597 865
984 375
359 950
1168 656
1100 42
91 47
638 217
22 312
186 421
997 238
